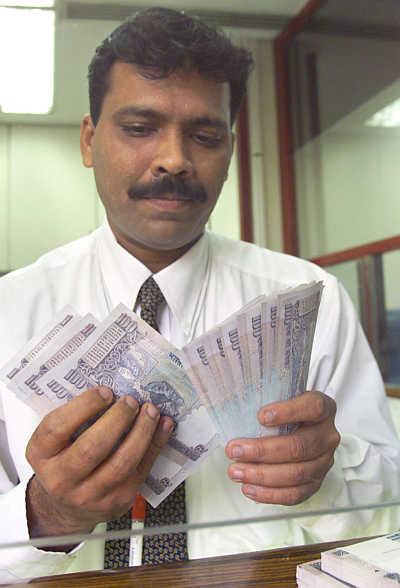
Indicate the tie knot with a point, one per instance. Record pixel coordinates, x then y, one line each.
150 297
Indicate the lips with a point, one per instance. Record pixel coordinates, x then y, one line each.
169 198
168 204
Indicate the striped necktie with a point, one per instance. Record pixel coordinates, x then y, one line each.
168 546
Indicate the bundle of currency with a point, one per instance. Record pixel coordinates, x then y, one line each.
74 353
368 564
259 355
311 575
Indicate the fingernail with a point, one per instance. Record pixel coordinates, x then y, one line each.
268 417
131 402
152 411
105 393
167 426
236 451
249 491
237 474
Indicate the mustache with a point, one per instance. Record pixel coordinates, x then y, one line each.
167 185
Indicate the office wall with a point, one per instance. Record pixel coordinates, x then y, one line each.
47 198
3 198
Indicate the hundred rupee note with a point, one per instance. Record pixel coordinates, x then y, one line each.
29 380
34 347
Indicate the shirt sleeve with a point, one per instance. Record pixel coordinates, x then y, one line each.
17 563
367 461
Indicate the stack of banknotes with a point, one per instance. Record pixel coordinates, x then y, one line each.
212 388
261 354
368 564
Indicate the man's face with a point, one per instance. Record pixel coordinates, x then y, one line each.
160 153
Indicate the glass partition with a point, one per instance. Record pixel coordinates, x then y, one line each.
292 527
344 70
375 295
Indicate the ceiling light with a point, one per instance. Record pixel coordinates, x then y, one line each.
26 60
28 3
387 117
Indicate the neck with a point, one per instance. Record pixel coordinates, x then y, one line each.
154 259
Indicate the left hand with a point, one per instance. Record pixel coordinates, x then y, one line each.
287 469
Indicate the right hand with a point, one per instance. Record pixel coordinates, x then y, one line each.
79 482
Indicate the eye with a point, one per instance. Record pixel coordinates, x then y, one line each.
137 130
208 140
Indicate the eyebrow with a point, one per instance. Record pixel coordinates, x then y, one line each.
155 115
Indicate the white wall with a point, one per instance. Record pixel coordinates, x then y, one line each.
46 196
3 198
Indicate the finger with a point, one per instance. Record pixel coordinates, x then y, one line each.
285 496
56 429
282 475
95 444
310 407
304 444
159 440
123 463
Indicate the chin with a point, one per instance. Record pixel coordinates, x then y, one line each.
170 244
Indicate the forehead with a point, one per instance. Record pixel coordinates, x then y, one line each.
184 93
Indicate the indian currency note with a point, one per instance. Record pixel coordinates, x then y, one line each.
244 390
225 400
63 320
186 450
251 344
270 388
128 356
29 380
297 315
305 314
197 366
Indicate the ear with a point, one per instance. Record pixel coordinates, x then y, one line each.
87 133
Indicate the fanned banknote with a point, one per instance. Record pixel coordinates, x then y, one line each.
259 355
35 346
29 379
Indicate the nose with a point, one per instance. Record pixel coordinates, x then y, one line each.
172 157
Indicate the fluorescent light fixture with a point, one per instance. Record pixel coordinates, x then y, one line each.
26 60
387 117
28 3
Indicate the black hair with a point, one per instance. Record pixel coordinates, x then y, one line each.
160 41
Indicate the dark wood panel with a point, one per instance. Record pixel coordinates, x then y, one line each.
373 248
275 569
285 135
297 24
392 391
244 169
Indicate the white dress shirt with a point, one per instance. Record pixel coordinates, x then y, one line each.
216 277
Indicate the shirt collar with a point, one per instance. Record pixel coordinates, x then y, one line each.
182 283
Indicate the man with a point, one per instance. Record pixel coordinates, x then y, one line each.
164 92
